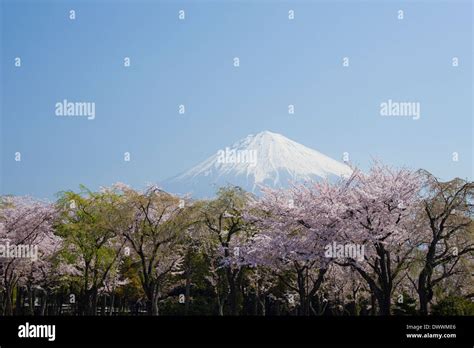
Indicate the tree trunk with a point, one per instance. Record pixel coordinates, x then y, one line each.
104 305
232 292
187 293
256 301
373 301
93 309
31 300
44 301
302 291
112 303
155 309
151 292
263 304
19 300
425 292
8 300
384 304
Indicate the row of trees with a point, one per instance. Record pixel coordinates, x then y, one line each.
124 251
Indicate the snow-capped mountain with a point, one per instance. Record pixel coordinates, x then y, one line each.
266 158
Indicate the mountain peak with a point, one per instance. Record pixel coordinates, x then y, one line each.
268 134
266 158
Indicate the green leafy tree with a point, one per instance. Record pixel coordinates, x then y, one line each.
89 224
448 211
223 218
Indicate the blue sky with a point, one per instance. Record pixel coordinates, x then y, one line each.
190 62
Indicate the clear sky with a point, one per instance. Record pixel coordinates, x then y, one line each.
190 62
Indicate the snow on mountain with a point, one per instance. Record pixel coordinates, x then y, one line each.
263 159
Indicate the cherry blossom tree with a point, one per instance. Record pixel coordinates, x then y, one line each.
42 275
380 213
345 291
294 227
26 240
156 224
223 218
112 282
448 212
371 243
